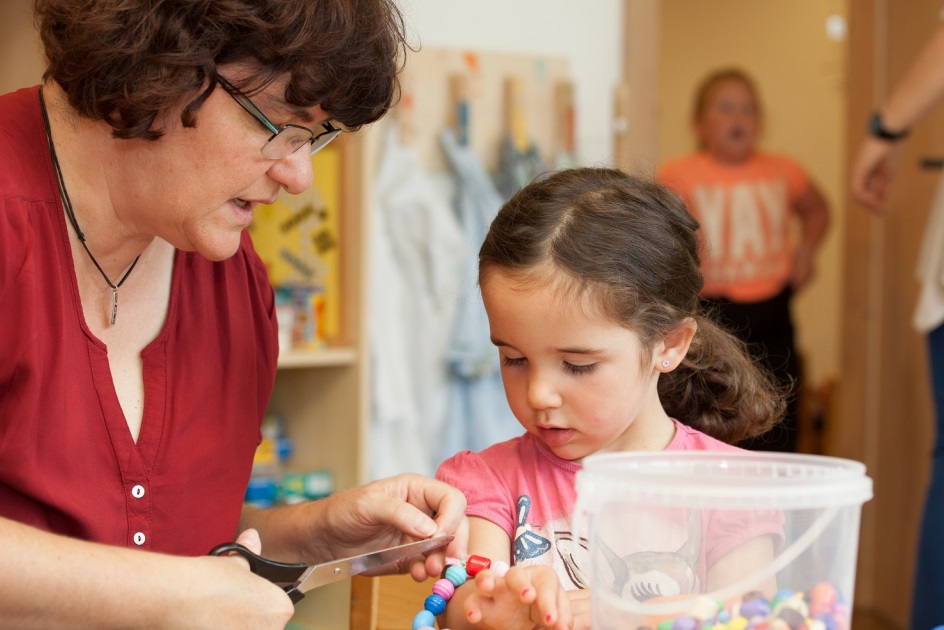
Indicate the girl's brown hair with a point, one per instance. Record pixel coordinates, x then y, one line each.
630 245
127 61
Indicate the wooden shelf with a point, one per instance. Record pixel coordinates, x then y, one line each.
322 357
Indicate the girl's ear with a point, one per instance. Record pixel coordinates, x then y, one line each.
673 348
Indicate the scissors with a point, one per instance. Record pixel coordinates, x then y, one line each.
298 579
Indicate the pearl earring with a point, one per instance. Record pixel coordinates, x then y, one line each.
665 363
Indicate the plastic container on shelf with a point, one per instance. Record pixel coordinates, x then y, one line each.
726 540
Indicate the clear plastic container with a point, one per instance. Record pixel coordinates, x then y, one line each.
722 540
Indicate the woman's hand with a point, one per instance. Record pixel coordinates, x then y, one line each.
63 582
227 595
525 598
392 512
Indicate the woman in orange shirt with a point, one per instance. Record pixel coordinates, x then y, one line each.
746 201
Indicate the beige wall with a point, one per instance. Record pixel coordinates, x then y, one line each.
801 78
19 46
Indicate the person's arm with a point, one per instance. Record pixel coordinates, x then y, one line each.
920 89
748 557
813 211
53 582
524 598
381 514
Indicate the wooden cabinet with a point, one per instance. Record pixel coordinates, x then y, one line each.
323 395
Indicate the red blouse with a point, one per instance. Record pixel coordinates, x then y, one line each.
68 463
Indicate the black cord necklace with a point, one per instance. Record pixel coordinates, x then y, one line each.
64 195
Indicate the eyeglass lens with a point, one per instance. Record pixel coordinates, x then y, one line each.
291 138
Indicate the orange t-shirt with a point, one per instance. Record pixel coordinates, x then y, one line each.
744 211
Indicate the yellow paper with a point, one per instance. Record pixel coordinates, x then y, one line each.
297 238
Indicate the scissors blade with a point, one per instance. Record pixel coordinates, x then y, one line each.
392 560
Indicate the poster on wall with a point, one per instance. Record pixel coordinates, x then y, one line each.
297 238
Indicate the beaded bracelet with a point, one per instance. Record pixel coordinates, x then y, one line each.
454 576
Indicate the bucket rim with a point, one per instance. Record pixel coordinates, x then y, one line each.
838 463
784 480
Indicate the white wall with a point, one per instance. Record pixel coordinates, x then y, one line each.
587 34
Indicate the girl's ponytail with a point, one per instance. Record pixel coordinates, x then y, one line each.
719 390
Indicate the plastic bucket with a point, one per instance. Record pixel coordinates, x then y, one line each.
726 540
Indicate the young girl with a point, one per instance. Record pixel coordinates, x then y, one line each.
746 201
591 283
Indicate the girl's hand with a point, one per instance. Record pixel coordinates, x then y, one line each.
802 269
580 608
525 598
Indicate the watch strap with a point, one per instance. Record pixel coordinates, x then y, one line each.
877 129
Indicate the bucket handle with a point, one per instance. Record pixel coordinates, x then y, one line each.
786 557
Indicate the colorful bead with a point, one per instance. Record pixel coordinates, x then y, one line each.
456 575
500 568
424 618
435 604
685 623
787 610
444 588
755 607
475 564
704 609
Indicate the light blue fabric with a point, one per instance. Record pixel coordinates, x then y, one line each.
417 258
478 412
517 169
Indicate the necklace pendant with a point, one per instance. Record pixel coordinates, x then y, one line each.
114 306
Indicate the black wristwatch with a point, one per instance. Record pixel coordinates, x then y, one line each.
878 130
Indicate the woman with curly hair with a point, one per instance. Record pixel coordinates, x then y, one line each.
140 335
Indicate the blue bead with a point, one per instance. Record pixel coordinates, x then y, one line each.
435 604
423 618
456 574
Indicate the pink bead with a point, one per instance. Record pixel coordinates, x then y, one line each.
500 568
451 561
444 588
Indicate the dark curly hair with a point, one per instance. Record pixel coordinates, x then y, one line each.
630 245
128 61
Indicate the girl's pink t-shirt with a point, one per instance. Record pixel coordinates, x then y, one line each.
522 487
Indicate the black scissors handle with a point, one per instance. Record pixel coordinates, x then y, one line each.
283 574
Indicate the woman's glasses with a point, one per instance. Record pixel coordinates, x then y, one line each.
287 139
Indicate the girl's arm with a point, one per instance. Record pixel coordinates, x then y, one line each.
521 599
813 211
748 557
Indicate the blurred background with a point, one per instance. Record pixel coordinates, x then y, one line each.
377 378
